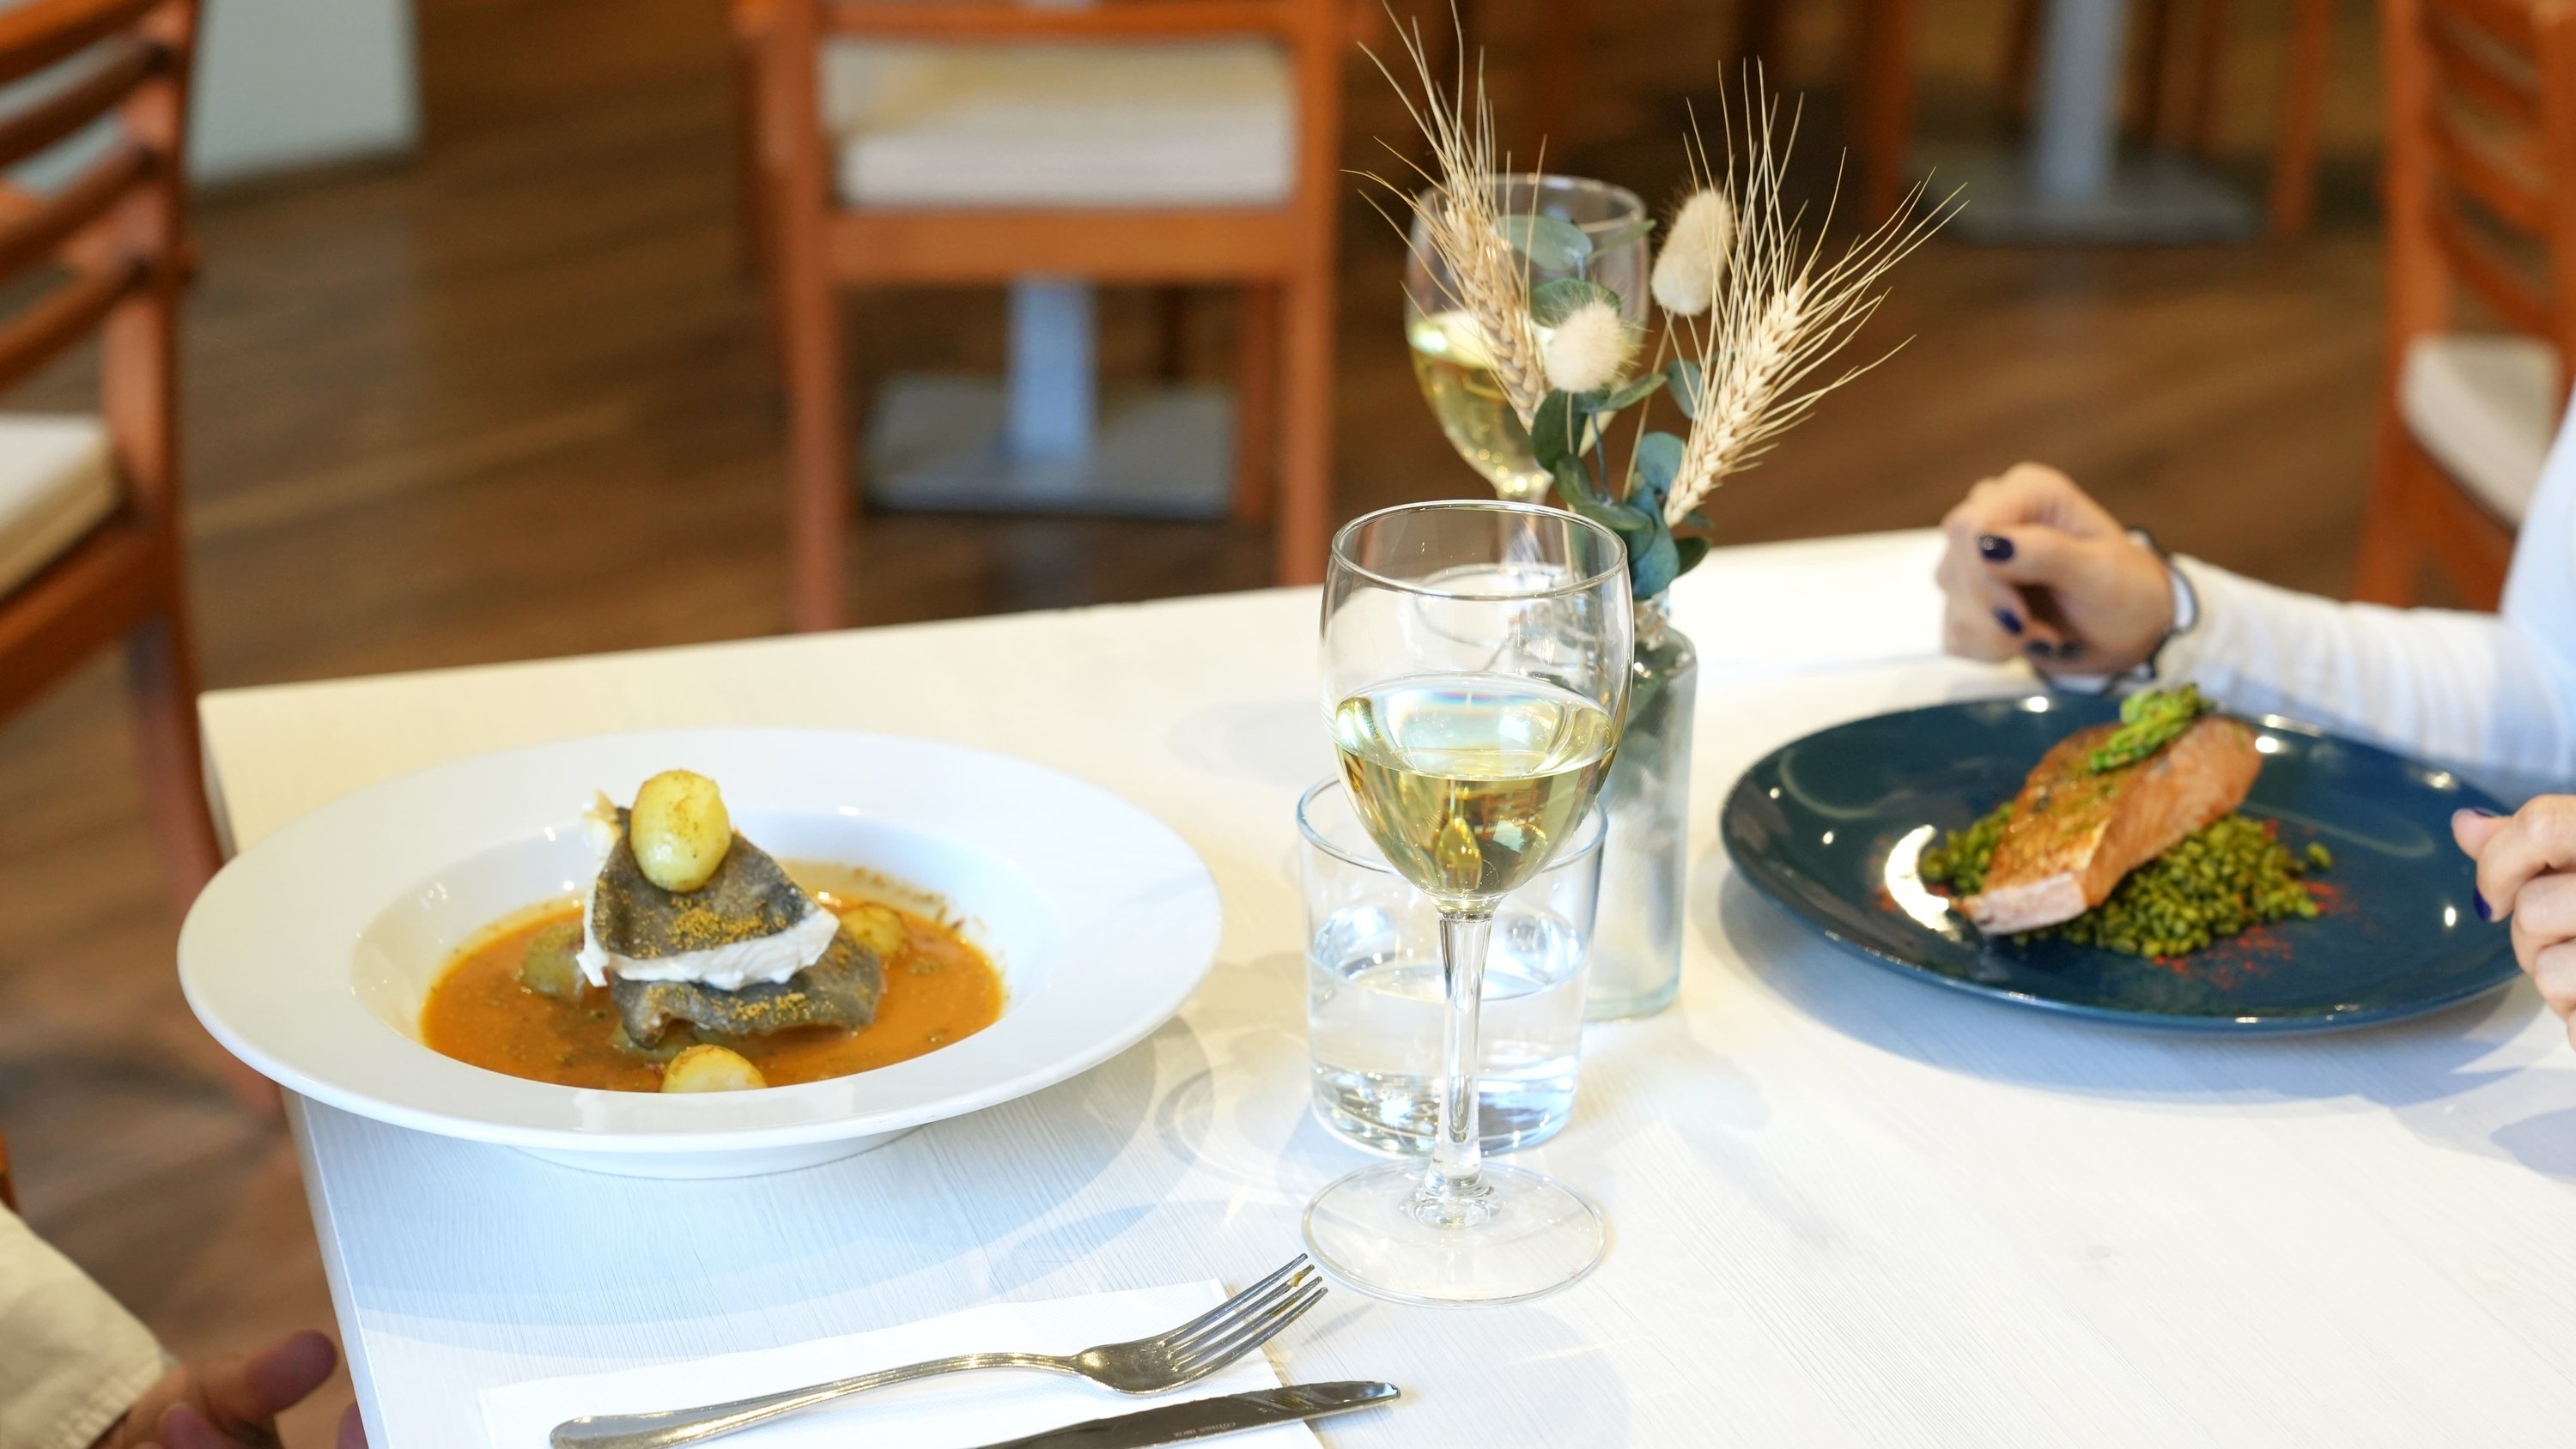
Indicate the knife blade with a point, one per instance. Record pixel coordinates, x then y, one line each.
1205 1418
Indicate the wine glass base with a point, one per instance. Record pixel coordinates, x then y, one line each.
1535 1236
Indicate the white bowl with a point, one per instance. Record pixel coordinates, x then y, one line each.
309 956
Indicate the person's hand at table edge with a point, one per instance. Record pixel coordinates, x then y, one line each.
2527 874
2033 568
232 1403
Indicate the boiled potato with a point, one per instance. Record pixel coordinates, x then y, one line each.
676 1038
548 968
877 928
705 1068
680 830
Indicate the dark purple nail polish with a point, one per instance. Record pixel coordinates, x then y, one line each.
2039 649
2483 813
2010 620
2478 900
1996 547
2070 648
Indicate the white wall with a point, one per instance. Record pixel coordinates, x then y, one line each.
287 83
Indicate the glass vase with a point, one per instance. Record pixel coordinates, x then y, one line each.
1637 937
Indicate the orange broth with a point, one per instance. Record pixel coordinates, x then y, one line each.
939 988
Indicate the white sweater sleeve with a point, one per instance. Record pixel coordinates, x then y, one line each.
2485 692
71 1360
2463 689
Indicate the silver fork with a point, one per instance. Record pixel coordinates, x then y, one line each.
1154 1365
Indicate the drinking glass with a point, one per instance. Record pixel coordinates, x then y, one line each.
1450 359
1375 1002
1475 660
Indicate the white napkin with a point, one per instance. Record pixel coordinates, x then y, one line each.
1836 603
954 1412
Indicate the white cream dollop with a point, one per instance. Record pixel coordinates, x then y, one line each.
760 961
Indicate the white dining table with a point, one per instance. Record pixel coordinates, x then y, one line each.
1846 1207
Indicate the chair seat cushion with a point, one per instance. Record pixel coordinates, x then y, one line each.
2484 407
57 483
1201 123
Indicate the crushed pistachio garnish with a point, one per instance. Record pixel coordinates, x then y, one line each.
2149 721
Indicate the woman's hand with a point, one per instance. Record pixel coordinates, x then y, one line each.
232 1403
2036 568
2527 871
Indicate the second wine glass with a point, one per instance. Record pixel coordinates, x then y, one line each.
1450 359
1476 662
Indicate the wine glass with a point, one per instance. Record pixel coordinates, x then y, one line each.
1475 659
1449 355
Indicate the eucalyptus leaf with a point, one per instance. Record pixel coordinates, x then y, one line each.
1575 484
1691 551
1658 460
1683 376
1559 432
1552 302
1629 393
1654 563
1556 246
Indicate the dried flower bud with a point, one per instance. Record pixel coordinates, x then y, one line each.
1589 349
1693 260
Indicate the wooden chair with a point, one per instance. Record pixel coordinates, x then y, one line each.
1882 89
90 545
91 550
847 202
2481 191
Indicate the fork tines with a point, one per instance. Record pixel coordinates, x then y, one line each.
1246 1321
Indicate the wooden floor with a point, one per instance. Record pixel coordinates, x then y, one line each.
510 399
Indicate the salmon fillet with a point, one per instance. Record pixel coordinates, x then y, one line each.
2073 834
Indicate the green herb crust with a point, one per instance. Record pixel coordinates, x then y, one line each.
2149 721
2223 878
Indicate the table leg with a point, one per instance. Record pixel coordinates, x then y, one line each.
2071 184
1054 378
1045 438
2075 141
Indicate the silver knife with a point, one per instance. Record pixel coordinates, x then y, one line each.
1204 1418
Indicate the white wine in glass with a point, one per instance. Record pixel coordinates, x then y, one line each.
1457 377
1476 663
1470 782
1450 358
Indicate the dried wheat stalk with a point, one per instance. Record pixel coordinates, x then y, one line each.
1487 278
1782 310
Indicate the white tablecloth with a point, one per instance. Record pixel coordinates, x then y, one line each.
1847 1208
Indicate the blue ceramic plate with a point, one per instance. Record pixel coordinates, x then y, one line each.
1829 826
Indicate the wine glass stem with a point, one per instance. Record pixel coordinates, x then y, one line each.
1453 1190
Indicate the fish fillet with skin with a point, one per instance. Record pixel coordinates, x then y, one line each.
2074 834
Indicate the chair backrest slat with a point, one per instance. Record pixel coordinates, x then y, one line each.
2482 165
2474 264
37 33
2468 63
42 226
999 21
116 227
2507 22
39 334
62 115
2474 168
